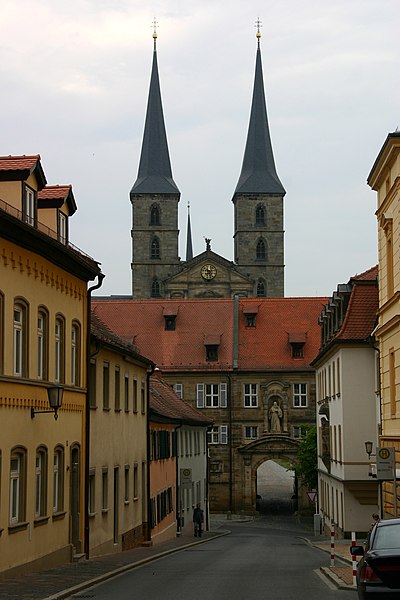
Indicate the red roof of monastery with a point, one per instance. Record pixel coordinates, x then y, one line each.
165 403
198 322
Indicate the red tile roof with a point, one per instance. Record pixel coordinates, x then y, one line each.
263 347
22 166
165 403
361 314
52 192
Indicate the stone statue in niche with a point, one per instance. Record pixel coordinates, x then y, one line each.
275 416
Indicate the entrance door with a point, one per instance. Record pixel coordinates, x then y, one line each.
74 495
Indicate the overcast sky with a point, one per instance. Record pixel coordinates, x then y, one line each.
75 79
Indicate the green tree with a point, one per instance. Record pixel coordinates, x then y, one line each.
307 460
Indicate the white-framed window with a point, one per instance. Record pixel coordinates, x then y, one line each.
106 385
75 353
58 480
42 344
17 486
212 395
250 395
19 341
59 350
62 228
251 432
218 435
28 208
41 482
178 388
299 395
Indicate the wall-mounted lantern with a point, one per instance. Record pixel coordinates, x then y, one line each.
55 396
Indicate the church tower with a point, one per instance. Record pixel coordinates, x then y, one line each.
154 198
258 202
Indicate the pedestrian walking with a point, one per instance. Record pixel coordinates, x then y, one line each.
198 520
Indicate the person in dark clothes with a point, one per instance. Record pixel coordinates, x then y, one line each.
198 520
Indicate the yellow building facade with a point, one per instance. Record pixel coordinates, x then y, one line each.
43 332
384 178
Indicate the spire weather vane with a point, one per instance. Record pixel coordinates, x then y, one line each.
154 26
258 25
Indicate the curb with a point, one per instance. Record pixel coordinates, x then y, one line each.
105 576
339 583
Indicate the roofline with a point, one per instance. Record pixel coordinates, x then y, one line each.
390 136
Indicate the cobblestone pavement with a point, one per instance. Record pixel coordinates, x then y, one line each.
71 578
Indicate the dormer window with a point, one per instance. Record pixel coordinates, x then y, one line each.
250 314
297 341
62 228
169 314
212 343
28 206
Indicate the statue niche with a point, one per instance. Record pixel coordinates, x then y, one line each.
275 415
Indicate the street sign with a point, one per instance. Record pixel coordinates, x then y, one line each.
385 463
312 495
186 477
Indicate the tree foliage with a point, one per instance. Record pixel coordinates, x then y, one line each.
307 460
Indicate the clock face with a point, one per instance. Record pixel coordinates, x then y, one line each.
208 272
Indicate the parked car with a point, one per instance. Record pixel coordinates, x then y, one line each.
378 570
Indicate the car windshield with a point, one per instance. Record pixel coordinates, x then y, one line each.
387 536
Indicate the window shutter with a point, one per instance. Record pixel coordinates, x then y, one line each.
223 434
200 395
223 395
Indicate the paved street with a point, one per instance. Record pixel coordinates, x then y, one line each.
260 559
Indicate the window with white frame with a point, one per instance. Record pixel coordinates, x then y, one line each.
59 350
106 386
17 486
299 395
42 344
20 339
62 228
58 480
251 432
28 207
75 353
178 388
218 434
41 483
212 395
250 395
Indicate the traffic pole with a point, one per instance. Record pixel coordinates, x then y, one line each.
332 544
353 558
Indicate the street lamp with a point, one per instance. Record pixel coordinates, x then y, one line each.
55 397
368 448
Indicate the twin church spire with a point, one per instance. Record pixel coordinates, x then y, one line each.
258 201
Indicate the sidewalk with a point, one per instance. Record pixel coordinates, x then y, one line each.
71 578
342 573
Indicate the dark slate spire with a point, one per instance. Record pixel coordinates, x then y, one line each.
258 170
189 247
155 174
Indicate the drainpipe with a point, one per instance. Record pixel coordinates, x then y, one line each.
178 502
100 278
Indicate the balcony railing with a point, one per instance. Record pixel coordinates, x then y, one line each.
17 214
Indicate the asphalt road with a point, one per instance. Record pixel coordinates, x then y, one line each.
266 559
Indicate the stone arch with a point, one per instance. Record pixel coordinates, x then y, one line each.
252 455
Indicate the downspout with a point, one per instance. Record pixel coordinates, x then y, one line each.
178 487
372 341
150 372
100 278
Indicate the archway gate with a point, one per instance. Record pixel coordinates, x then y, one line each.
250 457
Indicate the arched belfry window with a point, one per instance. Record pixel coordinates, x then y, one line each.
155 215
155 248
155 289
261 289
260 215
261 250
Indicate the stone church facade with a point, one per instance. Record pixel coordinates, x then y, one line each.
258 267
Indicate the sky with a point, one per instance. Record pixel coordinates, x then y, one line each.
75 78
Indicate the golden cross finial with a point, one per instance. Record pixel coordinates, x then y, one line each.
154 25
258 25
